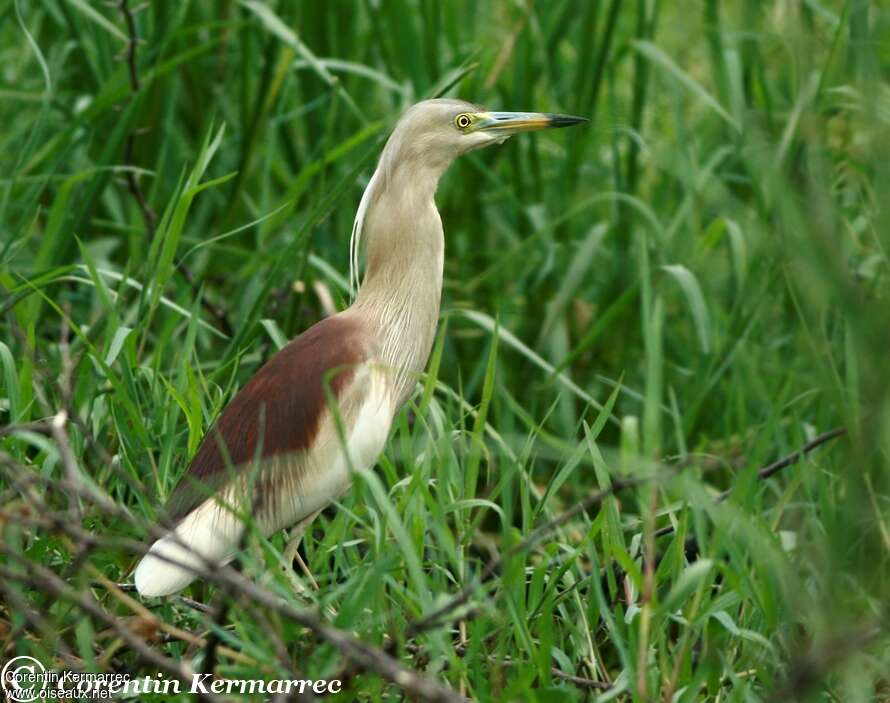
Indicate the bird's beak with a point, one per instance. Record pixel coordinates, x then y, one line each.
507 123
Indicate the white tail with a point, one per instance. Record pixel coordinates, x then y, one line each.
173 562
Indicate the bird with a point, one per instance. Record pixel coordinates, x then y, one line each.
321 408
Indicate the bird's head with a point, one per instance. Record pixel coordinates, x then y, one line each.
433 133
424 142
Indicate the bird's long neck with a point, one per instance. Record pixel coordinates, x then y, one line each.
402 288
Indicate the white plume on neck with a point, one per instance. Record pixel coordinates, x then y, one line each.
355 239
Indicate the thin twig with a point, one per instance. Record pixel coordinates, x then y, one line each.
433 619
575 680
43 427
212 644
69 463
774 468
45 580
21 606
438 617
794 457
362 654
149 216
810 667
177 633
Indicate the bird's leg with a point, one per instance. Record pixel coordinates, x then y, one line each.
291 553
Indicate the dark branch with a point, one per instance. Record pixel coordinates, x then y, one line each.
434 618
149 216
774 468
45 580
794 457
807 670
361 654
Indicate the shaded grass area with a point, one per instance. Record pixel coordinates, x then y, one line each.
691 288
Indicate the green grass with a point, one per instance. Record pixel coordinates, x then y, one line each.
689 288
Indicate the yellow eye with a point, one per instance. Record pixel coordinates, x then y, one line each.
463 121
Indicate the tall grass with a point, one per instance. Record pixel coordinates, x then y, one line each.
691 288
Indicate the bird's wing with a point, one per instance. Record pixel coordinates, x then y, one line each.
278 412
276 451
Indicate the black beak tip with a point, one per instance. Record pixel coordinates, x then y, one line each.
565 120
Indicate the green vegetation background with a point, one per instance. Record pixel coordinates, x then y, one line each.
708 259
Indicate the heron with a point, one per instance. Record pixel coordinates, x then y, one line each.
288 443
